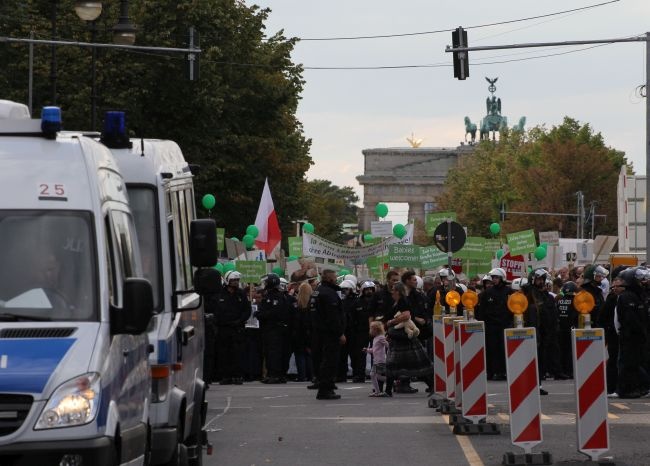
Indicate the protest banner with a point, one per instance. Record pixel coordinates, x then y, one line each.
521 242
251 271
433 219
295 246
221 236
404 255
315 246
432 257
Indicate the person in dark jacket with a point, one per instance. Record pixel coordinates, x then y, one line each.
548 345
587 282
274 314
448 280
232 310
382 300
358 330
348 291
209 352
329 332
567 320
493 310
630 316
607 321
301 337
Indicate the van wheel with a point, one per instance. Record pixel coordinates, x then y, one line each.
179 457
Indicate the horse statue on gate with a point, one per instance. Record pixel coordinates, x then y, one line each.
520 126
470 128
493 121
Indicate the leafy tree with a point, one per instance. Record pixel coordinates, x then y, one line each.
329 207
237 121
539 171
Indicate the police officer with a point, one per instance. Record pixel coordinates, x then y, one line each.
567 320
448 280
329 332
232 310
630 316
349 296
588 283
542 305
274 314
211 297
493 310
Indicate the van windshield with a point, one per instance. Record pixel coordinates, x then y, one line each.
48 266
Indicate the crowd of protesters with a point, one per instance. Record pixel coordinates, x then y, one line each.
333 325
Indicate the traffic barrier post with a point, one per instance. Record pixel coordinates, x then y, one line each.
523 388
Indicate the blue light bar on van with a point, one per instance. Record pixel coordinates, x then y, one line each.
114 134
51 121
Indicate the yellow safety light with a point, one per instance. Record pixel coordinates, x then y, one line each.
517 303
452 298
584 302
469 299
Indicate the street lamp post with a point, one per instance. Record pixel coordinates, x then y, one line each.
89 12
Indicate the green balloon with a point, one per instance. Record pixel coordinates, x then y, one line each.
308 228
248 241
495 228
293 258
399 230
278 270
499 253
208 201
228 266
219 267
540 253
253 231
368 237
545 246
381 210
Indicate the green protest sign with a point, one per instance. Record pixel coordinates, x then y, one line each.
521 242
375 266
251 271
404 255
491 246
477 267
433 219
295 246
221 235
432 257
474 248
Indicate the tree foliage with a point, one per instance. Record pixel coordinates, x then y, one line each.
537 171
328 207
237 121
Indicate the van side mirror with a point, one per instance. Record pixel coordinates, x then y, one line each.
137 308
203 242
207 281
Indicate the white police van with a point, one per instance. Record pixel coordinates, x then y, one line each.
74 376
172 242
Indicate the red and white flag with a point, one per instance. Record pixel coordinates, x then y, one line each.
267 223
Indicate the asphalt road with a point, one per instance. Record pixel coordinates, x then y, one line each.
257 424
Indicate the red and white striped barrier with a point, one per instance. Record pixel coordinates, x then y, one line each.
591 392
472 370
439 368
523 387
458 389
450 380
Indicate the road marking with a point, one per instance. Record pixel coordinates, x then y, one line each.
612 416
272 397
287 406
346 404
620 406
377 420
225 410
351 388
504 417
545 417
472 457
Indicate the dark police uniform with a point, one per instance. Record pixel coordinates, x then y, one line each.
567 319
329 325
275 314
493 310
231 311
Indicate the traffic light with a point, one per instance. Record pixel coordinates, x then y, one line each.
461 59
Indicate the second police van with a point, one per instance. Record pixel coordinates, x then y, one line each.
161 195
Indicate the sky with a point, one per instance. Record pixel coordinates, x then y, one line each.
346 111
